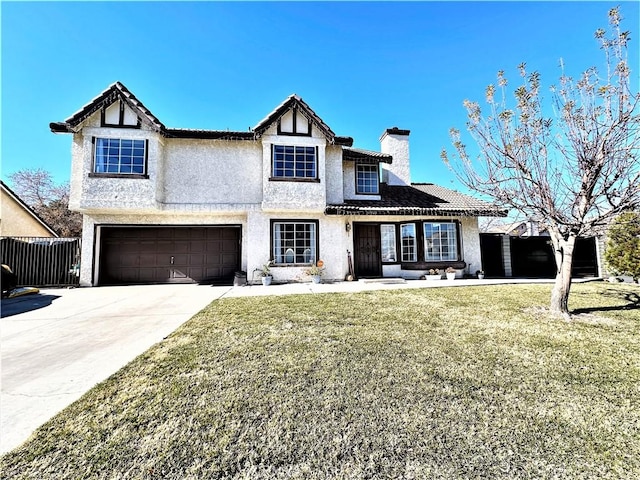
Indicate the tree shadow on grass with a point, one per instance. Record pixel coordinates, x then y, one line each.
632 299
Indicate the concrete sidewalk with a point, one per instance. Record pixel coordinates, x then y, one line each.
59 344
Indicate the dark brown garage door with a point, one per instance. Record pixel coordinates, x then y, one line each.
131 255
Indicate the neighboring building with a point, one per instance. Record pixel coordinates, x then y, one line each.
176 205
518 229
17 219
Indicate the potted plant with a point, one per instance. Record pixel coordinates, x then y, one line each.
451 273
265 273
316 271
480 274
434 274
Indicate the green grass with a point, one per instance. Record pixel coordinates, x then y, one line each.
474 382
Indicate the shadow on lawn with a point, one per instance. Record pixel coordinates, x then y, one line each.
632 298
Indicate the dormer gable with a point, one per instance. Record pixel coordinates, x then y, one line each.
295 117
118 107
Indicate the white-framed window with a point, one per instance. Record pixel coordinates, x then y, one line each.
120 156
294 162
367 179
409 243
388 241
294 242
440 241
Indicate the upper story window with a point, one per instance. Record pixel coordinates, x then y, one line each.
294 162
440 241
367 179
120 156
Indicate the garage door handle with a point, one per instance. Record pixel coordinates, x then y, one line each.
171 260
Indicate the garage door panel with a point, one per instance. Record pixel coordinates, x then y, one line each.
197 260
129 260
169 254
180 259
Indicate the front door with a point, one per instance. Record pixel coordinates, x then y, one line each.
368 262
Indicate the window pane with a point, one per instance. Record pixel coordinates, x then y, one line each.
294 243
440 242
388 237
408 236
367 179
114 155
294 162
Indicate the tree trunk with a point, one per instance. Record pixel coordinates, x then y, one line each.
564 261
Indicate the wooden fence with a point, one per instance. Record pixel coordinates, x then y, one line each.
42 261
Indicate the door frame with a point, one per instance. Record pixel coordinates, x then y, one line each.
356 254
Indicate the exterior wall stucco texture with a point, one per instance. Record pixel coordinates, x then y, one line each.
294 195
118 194
212 172
398 172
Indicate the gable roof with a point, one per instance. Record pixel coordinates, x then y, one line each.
294 102
417 199
117 91
27 208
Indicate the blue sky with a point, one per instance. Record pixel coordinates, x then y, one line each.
363 67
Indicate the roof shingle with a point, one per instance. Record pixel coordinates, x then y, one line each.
359 155
417 199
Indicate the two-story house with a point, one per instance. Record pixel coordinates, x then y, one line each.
164 205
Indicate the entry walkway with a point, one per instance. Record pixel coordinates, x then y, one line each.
367 285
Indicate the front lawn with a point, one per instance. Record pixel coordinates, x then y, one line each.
473 382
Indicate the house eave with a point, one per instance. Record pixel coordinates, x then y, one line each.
365 156
208 134
60 127
344 210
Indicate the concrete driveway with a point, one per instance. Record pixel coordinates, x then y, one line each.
60 343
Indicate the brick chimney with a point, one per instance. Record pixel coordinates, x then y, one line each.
395 142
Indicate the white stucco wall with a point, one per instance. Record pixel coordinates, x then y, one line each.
349 183
398 172
105 193
334 174
294 195
471 244
331 249
212 171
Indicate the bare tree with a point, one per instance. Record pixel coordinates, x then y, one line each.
48 199
572 165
